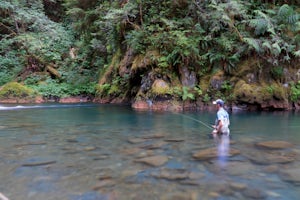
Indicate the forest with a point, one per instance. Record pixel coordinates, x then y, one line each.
183 53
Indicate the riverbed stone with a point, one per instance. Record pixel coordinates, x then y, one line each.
237 186
104 183
212 153
274 145
232 168
191 195
174 140
136 140
254 193
154 136
130 151
291 175
156 145
172 174
154 160
271 157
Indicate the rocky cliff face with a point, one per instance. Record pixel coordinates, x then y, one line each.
253 85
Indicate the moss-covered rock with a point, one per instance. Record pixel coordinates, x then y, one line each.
266 96
160 87
16 90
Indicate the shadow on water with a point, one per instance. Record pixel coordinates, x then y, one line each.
90 151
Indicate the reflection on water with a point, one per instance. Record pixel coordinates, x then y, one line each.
88 151
223 150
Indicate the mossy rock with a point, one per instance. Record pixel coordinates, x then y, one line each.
142 61
15 90
251 93
160 87
267 95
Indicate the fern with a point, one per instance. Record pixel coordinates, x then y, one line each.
262 24
287 15
297 53
254 43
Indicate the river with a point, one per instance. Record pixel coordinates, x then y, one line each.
107 152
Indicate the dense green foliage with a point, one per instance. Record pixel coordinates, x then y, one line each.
14 89
201 35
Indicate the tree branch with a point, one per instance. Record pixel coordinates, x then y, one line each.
8 28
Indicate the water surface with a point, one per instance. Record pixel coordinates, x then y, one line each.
89 151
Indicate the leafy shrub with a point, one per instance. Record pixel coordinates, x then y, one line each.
277 72
295 91
51 88
16 90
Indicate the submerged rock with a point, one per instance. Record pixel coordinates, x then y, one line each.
212 153
154 160
291 175
254 193
274 145
271 157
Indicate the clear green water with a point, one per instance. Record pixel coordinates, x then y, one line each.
92 152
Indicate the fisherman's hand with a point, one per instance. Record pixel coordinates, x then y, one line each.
214 131
214 126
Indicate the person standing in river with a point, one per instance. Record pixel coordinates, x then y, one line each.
221 132
221 126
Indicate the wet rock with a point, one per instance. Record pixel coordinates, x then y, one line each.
195 175
157 145
146 153
38 163
130 151
254 193
180 196
291 175
236 168
190 182
238 186
101 157
271 157
273 194
154 136
104 183
130 172
274 145
188 78
104 176
212 153
154 160
271 169
136 140
90 148
174 140
214 195
72 140
173 174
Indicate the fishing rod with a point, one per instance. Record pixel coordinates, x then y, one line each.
204 124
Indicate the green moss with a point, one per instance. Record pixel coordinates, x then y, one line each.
16 90
258 93
160 87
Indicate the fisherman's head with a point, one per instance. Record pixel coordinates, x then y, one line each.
219 102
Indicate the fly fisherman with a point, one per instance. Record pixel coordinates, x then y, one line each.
221 132
222 121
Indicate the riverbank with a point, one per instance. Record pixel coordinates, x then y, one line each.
162 105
